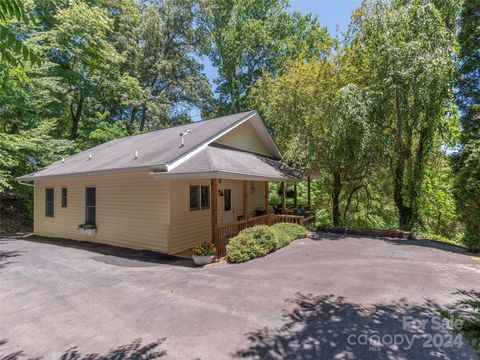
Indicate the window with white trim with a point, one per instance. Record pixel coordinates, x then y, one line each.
49 202
199 197
90 206
64 197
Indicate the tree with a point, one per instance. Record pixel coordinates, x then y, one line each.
79 53
245 38
467 161
407 47
166 67
321 122
11 47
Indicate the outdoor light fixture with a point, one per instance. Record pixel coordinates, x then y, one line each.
220 193
252 188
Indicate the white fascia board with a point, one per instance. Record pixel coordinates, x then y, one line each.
159 168
217 175
201 147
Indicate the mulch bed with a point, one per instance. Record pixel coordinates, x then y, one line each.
369 232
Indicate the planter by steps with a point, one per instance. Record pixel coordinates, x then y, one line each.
203 254
202 259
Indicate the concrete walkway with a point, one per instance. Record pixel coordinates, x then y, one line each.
325 297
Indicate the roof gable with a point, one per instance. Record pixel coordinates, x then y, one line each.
245 137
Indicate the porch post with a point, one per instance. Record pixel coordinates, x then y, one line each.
282 189
266 197
245 199
213 207
309 197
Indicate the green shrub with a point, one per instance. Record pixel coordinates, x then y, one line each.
251 243
260 240
467 317
287 232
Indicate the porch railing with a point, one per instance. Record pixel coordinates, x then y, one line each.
227 231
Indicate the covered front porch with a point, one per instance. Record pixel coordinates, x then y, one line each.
239 195
239 204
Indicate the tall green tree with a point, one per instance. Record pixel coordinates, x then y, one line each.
408 50
320 119
245 37
467 162
79 53
167 66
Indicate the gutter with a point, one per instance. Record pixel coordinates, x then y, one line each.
24 183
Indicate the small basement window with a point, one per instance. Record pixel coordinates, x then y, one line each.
49 202
199 197
64 197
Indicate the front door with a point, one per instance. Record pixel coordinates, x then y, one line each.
228 205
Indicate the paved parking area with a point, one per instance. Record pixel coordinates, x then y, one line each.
318 298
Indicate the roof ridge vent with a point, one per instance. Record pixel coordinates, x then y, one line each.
182 136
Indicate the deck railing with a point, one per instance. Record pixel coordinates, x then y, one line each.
227 231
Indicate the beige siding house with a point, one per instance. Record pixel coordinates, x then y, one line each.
165 191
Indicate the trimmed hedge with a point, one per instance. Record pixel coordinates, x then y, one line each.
260 240
287 232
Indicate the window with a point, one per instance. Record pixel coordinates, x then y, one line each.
64 197
194 197
205 197
49 201
227 199
90 205
199 197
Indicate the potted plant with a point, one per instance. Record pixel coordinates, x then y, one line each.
87 229
203 254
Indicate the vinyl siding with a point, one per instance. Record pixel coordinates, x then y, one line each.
190 228
132 210
256 201
244 137
187 228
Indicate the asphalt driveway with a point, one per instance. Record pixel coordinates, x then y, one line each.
325 297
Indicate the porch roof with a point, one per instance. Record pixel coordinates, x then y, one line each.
217 161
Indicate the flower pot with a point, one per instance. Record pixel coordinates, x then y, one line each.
88 232
202 259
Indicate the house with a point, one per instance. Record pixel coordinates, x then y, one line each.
166 191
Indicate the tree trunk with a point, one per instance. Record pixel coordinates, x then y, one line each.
76 117
347 206
144 116
132 116
404 211
336 189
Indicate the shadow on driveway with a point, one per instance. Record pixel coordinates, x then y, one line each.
6 256
132 351
412 242
328 327
111 255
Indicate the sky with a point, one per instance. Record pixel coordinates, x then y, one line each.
334 14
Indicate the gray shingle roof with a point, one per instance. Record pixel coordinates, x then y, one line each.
155 148
226 161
